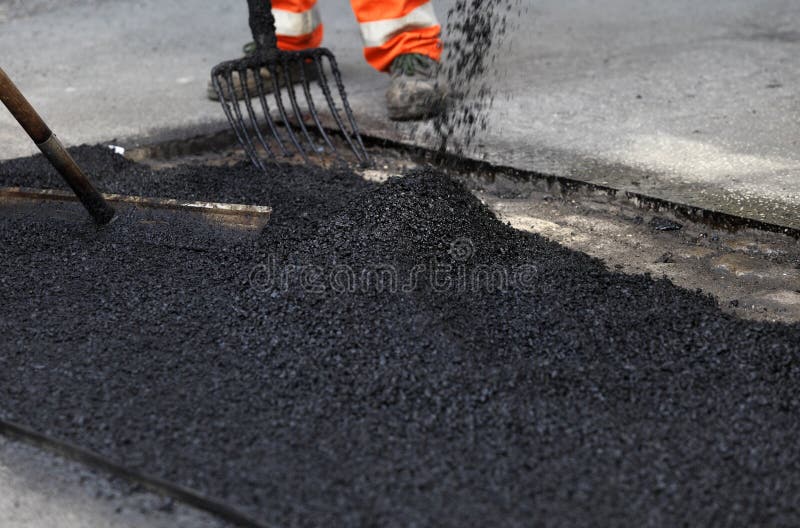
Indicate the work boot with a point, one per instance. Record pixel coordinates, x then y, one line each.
266 78
414 92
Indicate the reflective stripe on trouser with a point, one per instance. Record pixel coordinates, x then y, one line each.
297 24
388 28
393 27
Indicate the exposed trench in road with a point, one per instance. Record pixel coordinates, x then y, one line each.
584 393
751 268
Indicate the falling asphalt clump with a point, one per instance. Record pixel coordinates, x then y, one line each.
476 33
392 354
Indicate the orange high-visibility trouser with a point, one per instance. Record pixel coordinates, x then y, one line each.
388 28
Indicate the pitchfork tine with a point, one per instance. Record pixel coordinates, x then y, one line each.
323 82
284 117
251 113
362 155
313 110
240 121
231 120
268 114
293 100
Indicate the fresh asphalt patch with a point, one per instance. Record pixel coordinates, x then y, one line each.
391 354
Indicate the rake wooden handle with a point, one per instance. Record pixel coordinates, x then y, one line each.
53 150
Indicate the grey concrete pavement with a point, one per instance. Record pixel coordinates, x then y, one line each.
118 69
39 490
692 102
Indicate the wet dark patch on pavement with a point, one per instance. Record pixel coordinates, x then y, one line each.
391 354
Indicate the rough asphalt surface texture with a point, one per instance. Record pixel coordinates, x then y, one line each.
579 397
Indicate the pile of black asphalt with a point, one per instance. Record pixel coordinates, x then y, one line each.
390 354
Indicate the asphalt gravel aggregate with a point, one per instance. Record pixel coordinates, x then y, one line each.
390 354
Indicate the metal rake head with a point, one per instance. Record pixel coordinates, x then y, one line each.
254 92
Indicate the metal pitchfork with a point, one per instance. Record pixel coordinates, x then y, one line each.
247 122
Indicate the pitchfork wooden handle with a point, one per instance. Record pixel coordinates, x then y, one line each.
52 148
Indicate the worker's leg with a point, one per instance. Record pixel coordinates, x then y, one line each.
402 37
390 28
297 24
